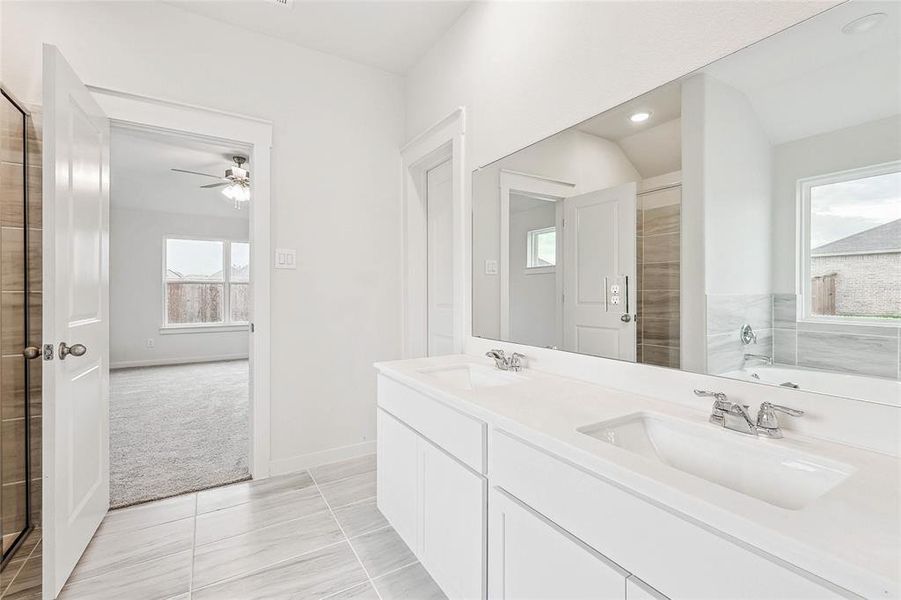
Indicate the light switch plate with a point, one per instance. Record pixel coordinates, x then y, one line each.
285 258
490 267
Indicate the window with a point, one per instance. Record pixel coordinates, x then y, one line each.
542 248
851 245
199 290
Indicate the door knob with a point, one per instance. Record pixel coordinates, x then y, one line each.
74 350
625 318
31 352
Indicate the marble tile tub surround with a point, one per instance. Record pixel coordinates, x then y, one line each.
314 534
858 349
726 313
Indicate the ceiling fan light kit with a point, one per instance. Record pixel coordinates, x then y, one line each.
237 180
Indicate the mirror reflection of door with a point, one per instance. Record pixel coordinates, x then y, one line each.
599 279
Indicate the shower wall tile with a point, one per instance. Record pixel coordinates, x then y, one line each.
660 304
660 332
785 311
661 219
849 353
661 248
725 352
785 346
12 210
726 313
661 276
661 356
12 259
11 133
12 448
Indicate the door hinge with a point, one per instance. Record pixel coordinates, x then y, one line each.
48 351
252 328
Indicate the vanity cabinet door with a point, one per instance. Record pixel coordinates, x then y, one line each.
530 558
398 477
453 524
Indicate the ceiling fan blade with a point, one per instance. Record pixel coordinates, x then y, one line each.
196 173
215 185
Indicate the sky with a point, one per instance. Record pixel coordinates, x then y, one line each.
838 210
200 258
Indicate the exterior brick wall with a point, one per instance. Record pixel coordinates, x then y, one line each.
865 284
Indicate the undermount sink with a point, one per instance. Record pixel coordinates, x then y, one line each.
471 377
759 468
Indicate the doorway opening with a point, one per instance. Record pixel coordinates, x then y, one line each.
180 314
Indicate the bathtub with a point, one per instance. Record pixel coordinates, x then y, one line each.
875 389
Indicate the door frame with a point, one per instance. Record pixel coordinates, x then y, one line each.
534 186
134 111
441 142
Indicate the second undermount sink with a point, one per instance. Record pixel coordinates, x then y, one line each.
471 377
779 476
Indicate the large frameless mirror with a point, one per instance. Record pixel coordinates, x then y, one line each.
743 220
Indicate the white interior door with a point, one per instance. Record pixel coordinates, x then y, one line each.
76 296
599 277
440 211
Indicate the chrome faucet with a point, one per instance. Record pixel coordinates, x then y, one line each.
504 362
761 357
736 417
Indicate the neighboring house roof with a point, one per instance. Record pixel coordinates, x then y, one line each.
882 238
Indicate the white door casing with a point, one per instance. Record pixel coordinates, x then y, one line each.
599 252
76 311
440 242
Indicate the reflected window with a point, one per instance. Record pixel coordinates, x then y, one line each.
542 248
852 247
199 289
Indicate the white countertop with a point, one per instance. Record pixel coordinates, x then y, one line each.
850 536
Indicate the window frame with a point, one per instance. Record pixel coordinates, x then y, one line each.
222 326
532 250
802 243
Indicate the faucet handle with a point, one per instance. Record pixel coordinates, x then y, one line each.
495 353
720 396
766 415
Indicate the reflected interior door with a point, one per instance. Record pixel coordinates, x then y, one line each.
599 252
439 197
76 260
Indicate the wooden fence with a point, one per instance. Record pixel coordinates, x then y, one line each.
822 294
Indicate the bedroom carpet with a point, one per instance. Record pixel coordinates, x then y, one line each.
177 429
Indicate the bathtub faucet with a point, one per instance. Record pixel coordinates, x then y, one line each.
761 357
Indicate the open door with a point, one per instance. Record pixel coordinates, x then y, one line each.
75 318
599 281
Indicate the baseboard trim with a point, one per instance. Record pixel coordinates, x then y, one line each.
293 464
160 362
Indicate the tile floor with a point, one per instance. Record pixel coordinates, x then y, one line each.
315 534
21 577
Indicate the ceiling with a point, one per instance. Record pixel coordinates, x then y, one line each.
818 79
388 35
141 177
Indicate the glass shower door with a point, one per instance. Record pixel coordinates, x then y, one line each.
15 412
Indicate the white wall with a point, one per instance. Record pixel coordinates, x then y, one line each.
136 301
533 295
859 146
736 193
337 127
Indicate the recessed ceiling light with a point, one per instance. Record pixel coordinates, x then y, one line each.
640 117
864 24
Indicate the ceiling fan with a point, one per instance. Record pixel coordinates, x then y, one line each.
237 180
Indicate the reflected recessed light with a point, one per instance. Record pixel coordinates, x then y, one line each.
864 24
640 117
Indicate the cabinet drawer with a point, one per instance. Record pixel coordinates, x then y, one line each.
462 436
679 558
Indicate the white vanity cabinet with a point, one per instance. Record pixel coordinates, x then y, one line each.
435 501
531 558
